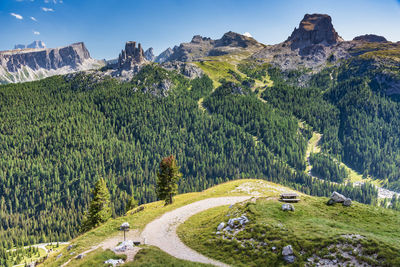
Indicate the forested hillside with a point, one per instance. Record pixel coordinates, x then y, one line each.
353 108
59 135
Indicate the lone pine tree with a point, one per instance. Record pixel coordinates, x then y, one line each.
99 210
168 176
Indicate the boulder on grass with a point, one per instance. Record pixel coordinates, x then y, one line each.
287 207
338 198
113 262
347 202
287 253
124 246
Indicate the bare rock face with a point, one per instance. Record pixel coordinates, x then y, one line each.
149 54
187 69
131 56
314 29
164 56
314 43
372 38
234 39
36 63
200 47
54 58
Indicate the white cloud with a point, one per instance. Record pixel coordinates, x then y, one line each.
17 16
36 33
33 18
45 9
247 34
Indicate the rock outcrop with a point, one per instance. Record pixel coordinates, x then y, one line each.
164 56
149 54
339 198
234 39
372 38
32 64
288 254
131 56
314 29
310 45
187 69
287 207
200 47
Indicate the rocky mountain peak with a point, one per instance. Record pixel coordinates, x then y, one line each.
198 39
236 40
164 56
149 54
372 38
131 56
34 45
314 29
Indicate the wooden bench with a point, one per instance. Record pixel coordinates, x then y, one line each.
289 197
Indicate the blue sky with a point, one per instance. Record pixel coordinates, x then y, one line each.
105 25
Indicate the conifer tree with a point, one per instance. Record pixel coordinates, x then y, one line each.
132 203
99 210
168 176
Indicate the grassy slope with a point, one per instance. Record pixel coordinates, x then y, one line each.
311 229
218 67
139 220
152 256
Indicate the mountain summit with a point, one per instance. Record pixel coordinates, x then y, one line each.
200 47
131 56
314 29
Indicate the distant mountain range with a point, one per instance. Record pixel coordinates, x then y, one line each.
34 44
314 43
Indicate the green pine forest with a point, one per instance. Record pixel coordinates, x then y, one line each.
58 136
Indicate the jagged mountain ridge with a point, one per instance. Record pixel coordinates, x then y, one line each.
200 47
34 44
32 64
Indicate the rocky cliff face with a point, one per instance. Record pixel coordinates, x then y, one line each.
33 64
161 58
310 45
131 56
314 29
203 46
149 54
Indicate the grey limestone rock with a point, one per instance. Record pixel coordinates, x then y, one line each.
49 59
149 54
287 207
338 198
131 56
221 226
287 253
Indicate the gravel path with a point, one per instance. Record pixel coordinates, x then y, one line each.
162 231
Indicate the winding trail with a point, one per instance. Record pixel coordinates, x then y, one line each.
162 231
